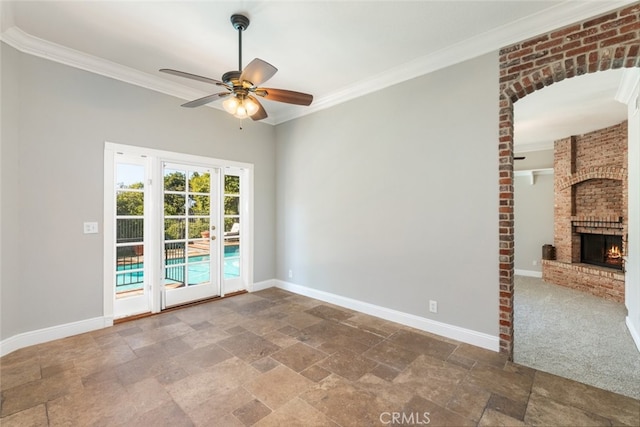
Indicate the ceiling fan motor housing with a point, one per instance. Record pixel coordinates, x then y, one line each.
231 77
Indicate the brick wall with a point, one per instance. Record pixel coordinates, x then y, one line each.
589 151
590 181
590 196
604 283
611 40
598 198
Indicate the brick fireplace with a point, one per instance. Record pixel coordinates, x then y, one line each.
590 186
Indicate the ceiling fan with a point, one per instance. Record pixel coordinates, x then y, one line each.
242 87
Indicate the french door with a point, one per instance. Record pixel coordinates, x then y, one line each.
190 245
177 229
132 234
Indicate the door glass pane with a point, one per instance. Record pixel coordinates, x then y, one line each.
174 204
231 226
231 184
199 182
129 257
129 176
174 259
129 230
196 254
174 276
231 260
174 253
174 229
174 180
231 204
130 283
130 202
199 273
199 205
199 228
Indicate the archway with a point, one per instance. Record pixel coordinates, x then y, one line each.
609 41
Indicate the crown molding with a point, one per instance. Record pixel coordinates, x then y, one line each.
556 17
35 46
553 18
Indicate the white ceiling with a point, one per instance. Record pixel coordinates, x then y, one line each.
335 50
570 107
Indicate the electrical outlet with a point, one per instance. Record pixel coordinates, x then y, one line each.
535 262
433 306
290 274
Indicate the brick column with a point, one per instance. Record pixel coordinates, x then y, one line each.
605 42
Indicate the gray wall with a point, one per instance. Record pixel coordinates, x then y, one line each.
55 120
392 198
533 220
9 169
534 159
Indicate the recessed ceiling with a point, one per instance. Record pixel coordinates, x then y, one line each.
335 50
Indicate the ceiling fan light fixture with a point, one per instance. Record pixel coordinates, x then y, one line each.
240 107
251 106
231 105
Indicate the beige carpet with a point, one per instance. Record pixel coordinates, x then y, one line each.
575 335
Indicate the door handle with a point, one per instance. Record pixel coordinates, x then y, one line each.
213 237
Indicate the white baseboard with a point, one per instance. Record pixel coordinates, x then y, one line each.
265 284
635 334
468 336
528 273
39 336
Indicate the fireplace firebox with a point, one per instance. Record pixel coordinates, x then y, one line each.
601 249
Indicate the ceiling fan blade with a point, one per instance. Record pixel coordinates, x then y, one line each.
258 72
261 113
288 96
205 100
192 76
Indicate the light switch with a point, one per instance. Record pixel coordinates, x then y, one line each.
90 227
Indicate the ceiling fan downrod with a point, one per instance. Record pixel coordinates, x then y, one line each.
240 23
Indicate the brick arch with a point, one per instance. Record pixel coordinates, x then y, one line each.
608 41
596 172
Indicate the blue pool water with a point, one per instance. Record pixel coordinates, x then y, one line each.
198 270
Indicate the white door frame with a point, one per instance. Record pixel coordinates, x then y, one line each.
154 240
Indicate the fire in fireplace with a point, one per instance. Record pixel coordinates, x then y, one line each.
601 249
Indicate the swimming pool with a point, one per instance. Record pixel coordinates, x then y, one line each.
130 277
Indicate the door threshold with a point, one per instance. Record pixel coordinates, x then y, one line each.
176 307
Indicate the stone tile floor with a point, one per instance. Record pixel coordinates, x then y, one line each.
273 358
